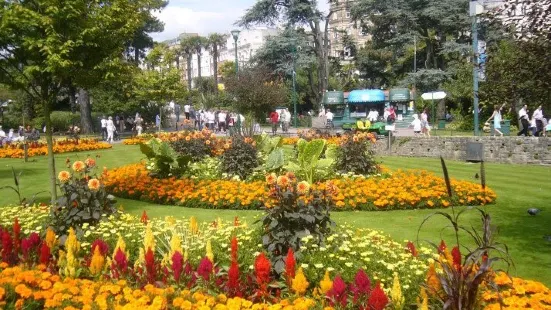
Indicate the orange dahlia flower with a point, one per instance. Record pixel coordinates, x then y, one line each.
64 176
79 166
94 185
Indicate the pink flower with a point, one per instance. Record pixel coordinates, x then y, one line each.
204 269
338 292
177 265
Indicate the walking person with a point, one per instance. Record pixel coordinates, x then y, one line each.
158 122
274 118
222 121
537 116
329 118
110 128
186 110
139 123
103 128
524 121
496 115
286 119
425 127
416 124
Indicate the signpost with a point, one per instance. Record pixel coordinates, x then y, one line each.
435 95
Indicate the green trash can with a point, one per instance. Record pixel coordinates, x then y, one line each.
441 124
505 127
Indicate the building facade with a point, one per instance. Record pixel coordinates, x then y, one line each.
341 23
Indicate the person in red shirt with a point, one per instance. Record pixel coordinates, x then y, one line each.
274 118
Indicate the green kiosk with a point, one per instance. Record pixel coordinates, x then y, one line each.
360 102
400 98
334 101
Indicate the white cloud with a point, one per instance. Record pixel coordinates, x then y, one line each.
179 20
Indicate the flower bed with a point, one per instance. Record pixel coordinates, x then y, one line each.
15 150
218 265
402 190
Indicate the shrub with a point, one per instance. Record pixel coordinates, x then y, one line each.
163 160
355 155
298 212
196 148
209 168
240 158
83 200
61 120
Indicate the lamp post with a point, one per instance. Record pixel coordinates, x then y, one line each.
235 35
474 9
295 86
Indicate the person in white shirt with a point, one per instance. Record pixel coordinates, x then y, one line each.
524 121
2 132
538 117
110 127
416 124
375 116
103 128
186 110
211 119
322 112
222 121
286 119
329 116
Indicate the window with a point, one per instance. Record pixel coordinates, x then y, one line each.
347 52
335 16
347 14
335 35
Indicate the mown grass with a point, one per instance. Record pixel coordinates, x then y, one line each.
518 188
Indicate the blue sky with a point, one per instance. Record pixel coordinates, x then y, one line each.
203 16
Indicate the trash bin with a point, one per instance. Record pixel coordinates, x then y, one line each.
441 124
505 127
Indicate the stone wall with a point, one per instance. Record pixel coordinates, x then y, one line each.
519 150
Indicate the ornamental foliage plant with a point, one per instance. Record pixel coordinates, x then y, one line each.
83 197
297 212
313 159
355 155
163 160
240 158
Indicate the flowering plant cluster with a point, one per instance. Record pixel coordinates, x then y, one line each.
16 150
355 155
296 211
84 198
401 190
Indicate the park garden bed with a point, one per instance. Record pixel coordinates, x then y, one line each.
176 263
16 150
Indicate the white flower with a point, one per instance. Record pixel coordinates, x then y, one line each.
348 265
319 266
304 266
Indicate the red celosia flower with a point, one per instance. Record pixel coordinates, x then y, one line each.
337 294
29 243
456 255
362 286
442 247
377 300
7 247
262 269
103 246
290 263
120 264
177 265
144 218
411 248
204 270
16 236
233 279
44 254
150 265
234 248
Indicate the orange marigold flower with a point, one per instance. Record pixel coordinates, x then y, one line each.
64 176
271 178
94 185
282 181
79 166
90 162
303 187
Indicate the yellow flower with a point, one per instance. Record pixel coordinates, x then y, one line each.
97 262
72 244
210 255
79 166
64 176
423 300
303 187
149 239
175 244
396 296
193 226
51 239
119 245
326 284
299 283
94 185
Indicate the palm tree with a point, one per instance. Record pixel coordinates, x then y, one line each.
215 42
198 43
187 49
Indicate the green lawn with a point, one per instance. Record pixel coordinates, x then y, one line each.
518 187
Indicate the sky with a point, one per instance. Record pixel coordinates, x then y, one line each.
203 16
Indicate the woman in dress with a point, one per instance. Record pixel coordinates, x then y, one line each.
110 129
497 119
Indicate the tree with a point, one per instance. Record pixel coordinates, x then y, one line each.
255 92
187 48
297 13
51 39
441 29
215 42
527 18
141 39
198 43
